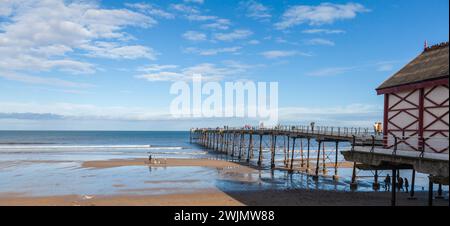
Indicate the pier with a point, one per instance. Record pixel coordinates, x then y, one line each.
294 143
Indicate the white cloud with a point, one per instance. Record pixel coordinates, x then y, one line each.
41 35
323 31
151 10
357 115
185 9
330 71
385 66
256 10
284 41
211 52
82 111
234 35
219 24
198 17
273 54
194 1
192 13
162 76
157 67
381 66
254 42
194 36
320 41
115 51
325 13
209 72
42 80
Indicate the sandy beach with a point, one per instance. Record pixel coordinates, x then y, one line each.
208 197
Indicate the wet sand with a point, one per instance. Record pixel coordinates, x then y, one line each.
171 162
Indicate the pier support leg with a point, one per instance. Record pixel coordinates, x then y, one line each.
394 187
284 149
439 194
302 163
233 144
222 143
291 170
307 156
375 185
335 176
430 191
288 148
413 181
316 176
324 166
250 147
353 184
217 141
274 148
260 150
240 146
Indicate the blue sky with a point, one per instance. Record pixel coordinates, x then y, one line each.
109 65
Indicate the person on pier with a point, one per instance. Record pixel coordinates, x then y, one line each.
400 183
406 185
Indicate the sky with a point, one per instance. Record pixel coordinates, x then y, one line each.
109 65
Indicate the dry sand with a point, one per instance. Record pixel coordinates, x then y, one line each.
201 198
219 198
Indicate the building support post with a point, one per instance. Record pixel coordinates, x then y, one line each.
376 185
413 181
430 191
394 187
439 194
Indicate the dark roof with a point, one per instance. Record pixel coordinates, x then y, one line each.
431 64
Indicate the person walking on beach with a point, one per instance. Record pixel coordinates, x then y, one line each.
387 183
406 185
400 183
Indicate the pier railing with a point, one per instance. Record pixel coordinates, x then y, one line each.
316 130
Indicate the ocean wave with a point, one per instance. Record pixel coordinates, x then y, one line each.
85 147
